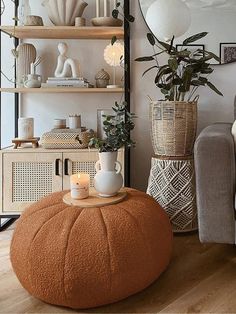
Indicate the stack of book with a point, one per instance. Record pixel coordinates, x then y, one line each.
79 82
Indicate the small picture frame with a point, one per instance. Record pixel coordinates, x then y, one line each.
100 119
227 53
190 47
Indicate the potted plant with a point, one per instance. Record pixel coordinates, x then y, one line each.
174 118
117 128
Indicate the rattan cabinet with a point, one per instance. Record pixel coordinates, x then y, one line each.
28 174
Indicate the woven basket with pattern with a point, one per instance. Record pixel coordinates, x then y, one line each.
66 140
173 127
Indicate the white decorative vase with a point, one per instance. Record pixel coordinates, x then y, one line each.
108 180
33 81
26 128
25 54
63 13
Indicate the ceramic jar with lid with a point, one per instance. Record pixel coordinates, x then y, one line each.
102 79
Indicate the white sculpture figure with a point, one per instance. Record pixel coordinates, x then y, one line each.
66 66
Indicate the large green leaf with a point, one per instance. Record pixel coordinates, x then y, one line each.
194 38
207 71
214 88
183 53
151 39
213 56
171 44
203 79
164 45
131 18
161 72
113 40
159 53
115 13
187 77
173 64
177 81
197 83
144 59
164 91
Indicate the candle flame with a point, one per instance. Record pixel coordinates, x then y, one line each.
79 176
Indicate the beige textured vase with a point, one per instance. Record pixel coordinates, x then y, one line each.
173 127
63 13
26 54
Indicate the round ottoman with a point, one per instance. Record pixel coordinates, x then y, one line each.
88 257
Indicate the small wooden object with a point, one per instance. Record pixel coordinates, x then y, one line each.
34 141
94 200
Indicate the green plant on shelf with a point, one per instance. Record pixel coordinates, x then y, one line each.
117 128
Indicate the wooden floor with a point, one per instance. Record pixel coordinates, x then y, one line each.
200 279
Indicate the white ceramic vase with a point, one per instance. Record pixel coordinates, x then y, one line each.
25 54
63 13
33 81
108 180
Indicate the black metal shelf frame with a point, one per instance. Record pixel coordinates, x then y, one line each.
6 221
11 218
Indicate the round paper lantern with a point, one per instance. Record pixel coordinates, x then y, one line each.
168 18
113 54
87 257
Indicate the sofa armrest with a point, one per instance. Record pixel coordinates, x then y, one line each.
215 183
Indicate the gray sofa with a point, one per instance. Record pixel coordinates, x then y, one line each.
215 183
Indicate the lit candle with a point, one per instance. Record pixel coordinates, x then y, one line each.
79 184
97 8
105 8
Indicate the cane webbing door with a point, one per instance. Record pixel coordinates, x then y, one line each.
29 177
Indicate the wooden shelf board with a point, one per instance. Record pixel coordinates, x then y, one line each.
62 90
63 32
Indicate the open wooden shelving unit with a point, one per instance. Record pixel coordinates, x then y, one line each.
56 90
63 32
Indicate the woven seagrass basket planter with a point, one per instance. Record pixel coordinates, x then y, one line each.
173 127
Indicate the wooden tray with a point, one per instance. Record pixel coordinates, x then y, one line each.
94 200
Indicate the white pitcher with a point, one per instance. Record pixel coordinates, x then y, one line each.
108 180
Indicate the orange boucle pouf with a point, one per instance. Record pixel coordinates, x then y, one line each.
83 258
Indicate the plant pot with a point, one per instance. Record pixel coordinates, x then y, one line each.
63 13
108 180
173 127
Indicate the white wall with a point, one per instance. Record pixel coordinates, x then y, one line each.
44 108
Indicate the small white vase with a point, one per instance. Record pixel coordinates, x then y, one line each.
33 81
108 180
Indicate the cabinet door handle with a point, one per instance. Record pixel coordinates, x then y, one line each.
57 167
66 167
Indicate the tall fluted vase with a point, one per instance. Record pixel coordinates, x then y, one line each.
25 54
